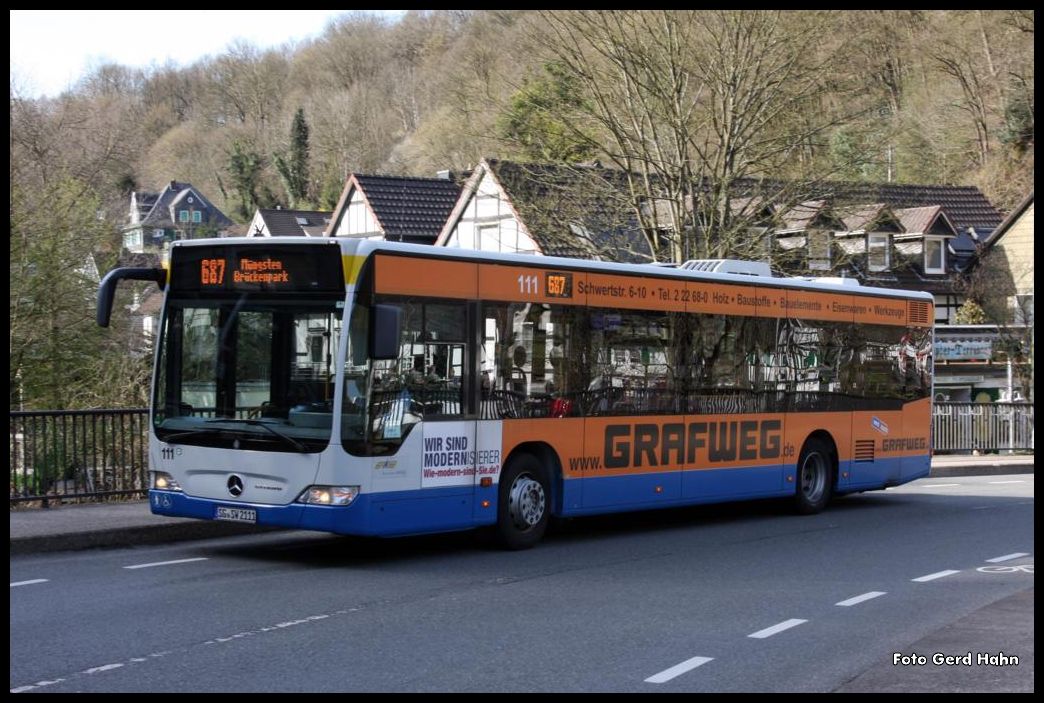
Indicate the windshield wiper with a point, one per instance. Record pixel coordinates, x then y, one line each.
258 423
184 433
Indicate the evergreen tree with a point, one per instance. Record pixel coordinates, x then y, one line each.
294 170
534 121
58 355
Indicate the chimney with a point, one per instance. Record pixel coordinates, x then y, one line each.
445 175
173 185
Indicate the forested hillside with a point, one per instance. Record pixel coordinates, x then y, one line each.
910 96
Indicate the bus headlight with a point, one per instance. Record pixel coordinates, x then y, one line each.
329 495
164 481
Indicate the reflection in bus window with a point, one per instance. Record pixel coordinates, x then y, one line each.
427 379
631 373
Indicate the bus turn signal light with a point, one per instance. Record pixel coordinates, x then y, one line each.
164 481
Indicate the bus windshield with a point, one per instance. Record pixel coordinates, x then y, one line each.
252 371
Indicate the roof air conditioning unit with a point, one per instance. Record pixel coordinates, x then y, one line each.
746 268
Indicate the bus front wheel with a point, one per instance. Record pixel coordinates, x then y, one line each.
524 507
815 470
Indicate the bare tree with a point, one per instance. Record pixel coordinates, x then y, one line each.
247 86
690 104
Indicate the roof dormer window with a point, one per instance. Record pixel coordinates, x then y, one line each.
934 255
878 254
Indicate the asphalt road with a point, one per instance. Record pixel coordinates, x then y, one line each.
743 597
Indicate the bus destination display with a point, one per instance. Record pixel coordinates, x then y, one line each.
297 268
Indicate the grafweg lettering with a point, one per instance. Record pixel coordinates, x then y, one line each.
675 443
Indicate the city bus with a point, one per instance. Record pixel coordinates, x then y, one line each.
372 388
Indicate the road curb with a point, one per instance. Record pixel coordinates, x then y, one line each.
981 470
128 537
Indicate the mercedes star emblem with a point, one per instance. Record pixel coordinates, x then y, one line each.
235 485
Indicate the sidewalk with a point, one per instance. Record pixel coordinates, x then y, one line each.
71 527
87 526
984 465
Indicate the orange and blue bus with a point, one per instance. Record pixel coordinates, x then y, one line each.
373 388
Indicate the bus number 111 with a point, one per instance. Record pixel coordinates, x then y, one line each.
527 285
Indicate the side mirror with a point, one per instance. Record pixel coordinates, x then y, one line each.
385 332
107 288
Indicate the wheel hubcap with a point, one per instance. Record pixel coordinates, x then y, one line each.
813 477
526 502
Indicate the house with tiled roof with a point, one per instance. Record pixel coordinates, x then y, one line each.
969 212
586 211
883 245
546 209
277 222
393 208
179 211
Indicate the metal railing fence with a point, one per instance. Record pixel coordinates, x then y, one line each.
63 454
982 427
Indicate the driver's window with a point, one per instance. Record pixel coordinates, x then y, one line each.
427 378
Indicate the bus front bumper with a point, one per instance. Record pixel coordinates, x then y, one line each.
349 519
370 514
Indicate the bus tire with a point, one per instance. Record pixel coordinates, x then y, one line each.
524 503
815 470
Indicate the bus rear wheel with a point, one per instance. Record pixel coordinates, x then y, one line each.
815 469
524 505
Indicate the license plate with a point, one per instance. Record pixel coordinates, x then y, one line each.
236 515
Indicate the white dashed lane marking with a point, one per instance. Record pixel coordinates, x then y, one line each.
1007 557
28 583
678 669
936 575
855 600
776 629
164 563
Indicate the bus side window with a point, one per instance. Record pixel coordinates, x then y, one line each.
533 355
